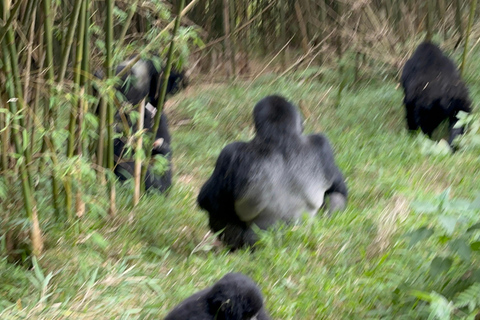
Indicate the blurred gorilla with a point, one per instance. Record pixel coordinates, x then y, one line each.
234 297
433 91
124 168
143 81
279 175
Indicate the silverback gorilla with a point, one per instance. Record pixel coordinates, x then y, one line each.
142 81
279 175
234 297
433 91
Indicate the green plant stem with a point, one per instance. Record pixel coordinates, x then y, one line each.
473 5
110 107
163 90
126 25
29 201
69 40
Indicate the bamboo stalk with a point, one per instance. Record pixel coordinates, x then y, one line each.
17 87
303 27
69 40
49 44
458 18
76 80
283 37
4 139
101 137
228 41
473 5
29 57
29 201
126 25
75 113
163 89
48 110
323 23
85 78
138 161
110 111
429 20
12 15
231 20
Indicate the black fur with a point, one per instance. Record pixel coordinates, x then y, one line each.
433 91
124 166
234 297
176 82
279 175
142 81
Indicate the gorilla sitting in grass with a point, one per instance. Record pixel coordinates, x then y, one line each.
433 91
279 175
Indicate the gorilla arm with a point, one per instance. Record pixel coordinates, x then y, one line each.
337 191
217 196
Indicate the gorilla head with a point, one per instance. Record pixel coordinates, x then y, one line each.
143 81
234 297
279 175
276 118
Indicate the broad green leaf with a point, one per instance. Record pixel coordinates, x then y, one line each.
440 265
475 246
419 235
476 226
424 207
462 248
440 307
448 224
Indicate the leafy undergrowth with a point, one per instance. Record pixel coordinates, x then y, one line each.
357 264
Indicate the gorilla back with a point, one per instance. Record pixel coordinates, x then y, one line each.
433 91
279 175
234 297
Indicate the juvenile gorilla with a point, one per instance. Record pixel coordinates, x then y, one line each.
142 81
234 297
279 175
433 91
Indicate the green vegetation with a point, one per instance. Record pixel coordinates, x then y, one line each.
74 245
359 264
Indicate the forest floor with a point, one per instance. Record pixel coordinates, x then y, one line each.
355 265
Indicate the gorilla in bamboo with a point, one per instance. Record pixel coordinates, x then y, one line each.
142 81
279 175
234 297
433 91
